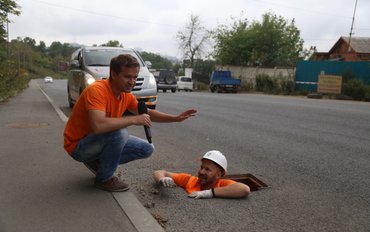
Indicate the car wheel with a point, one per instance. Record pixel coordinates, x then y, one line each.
165 90
173 90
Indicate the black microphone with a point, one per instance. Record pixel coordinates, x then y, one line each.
143 110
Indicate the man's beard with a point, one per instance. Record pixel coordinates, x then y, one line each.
202 179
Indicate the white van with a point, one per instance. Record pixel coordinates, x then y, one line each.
184 83
92 63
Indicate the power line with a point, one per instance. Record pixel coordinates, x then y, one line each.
105 15
301 9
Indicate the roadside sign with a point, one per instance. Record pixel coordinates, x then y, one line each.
329 84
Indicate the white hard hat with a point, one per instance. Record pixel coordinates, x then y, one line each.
216 157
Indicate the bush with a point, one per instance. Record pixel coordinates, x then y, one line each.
266 84
247 86
287 86
347 76
357 89
12 80
202 86
275 85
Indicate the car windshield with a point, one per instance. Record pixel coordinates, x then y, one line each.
185 79
100 57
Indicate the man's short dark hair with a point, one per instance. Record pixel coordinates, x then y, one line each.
123 60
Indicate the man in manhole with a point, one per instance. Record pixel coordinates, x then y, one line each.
209 182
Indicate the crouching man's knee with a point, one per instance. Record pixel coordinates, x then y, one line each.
148 150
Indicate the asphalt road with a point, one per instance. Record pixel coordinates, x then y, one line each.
313 154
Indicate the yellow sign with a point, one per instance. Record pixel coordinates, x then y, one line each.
329 84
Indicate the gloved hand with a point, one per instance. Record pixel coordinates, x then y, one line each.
167 182
201 194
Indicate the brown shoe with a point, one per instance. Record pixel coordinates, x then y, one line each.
114 184
92 166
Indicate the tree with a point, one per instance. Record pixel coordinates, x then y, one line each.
112 43
233 45
30 42
6 7
57 48
157 61
276 41
192 39
177 69
273 41
41 47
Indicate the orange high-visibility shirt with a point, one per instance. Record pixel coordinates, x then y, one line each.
190 183
97 96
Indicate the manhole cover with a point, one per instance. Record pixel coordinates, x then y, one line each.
253 182
27 124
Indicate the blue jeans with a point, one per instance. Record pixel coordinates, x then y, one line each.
111 149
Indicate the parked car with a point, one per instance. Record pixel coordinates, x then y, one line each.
222 81
184 83
92 63
166 80
48 79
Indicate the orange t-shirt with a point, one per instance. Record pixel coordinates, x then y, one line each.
97 96
190 183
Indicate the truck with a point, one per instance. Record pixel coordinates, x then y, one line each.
222 81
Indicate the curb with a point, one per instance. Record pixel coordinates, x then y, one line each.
142 220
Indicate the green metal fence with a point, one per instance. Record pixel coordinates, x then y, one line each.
307 72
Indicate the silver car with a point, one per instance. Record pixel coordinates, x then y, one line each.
92 63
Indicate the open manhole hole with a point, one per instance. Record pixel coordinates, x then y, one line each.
253 182
27 124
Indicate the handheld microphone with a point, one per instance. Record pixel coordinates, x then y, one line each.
143 110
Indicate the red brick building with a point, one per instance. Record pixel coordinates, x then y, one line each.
358 49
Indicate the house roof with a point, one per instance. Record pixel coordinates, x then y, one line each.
358 44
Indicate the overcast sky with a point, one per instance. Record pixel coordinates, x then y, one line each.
151 25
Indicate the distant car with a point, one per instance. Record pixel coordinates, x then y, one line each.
48 80
166 80
185 83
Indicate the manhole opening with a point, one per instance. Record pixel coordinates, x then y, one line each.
253 182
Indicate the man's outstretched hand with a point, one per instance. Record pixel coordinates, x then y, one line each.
167 182
185 115
201 194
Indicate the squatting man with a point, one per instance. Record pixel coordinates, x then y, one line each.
96 133
209 183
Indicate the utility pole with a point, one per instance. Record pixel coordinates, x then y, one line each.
351 33
7 32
